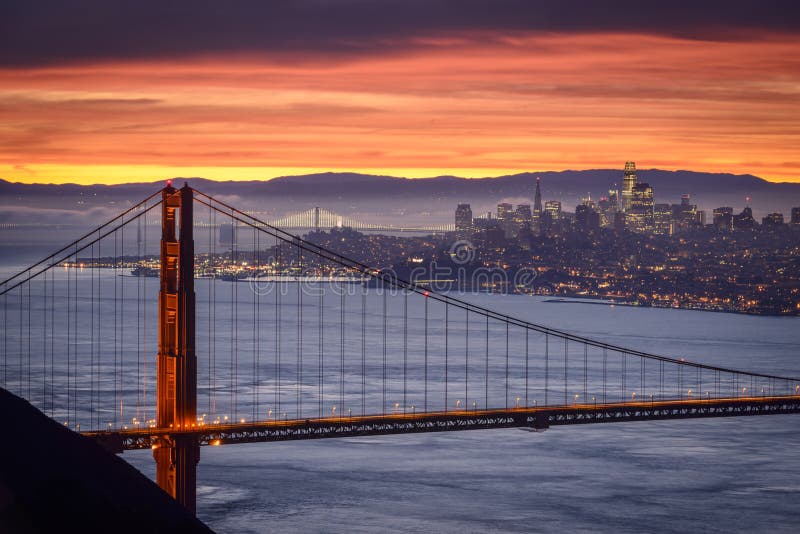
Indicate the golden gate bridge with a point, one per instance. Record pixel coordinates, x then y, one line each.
267 360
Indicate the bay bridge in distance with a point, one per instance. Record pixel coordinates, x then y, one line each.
180 362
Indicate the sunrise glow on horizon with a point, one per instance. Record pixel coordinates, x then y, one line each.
470 105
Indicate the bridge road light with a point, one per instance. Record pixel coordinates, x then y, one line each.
474 406
575 399
594 401
796 390
633 396
333 411
689 393
516 403
458 404
349 413
413 410
744 390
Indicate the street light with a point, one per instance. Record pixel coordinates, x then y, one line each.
458 404
516 403
575 399
474 406
633 396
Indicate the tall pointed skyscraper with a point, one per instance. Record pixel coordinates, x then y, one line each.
628 181
537 207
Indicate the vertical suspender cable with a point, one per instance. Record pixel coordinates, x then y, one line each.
425 398
122 330
256 322
279 289
466 359
506 366
566 363
486 369
235 323
363 351
405 348
299 333
526 368
341 351
383 379
446 350
139 332
320 349
546 367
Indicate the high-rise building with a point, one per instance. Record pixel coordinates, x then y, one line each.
505 213
523 217
662 219
796 216
553 207
586 218
463 218
628 181
723 218
773 219
744 220
685 214
639 216
537 205
608 207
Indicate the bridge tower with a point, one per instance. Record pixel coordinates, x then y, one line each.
177 452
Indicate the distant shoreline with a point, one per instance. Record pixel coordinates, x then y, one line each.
603 302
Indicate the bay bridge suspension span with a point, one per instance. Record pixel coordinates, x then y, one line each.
303 343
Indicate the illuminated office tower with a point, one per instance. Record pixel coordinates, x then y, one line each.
463 218
505 214
662 219
723 218
628 182
639 216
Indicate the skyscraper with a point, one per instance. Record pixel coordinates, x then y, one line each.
628 181
463 218
723 218
553 207
773 220
504 210
662 219
639 216
537 206
744 219
523 217
795 216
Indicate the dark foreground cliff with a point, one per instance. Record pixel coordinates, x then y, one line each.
54 480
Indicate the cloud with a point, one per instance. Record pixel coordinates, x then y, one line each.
56 32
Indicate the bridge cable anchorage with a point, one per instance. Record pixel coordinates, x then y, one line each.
372 273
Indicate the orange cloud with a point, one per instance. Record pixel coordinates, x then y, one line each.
476 106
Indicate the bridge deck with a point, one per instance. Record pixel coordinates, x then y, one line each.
538 418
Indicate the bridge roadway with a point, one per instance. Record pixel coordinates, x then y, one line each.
536 418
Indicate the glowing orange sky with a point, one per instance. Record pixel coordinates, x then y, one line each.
469 107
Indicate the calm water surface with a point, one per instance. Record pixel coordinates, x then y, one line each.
719 475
